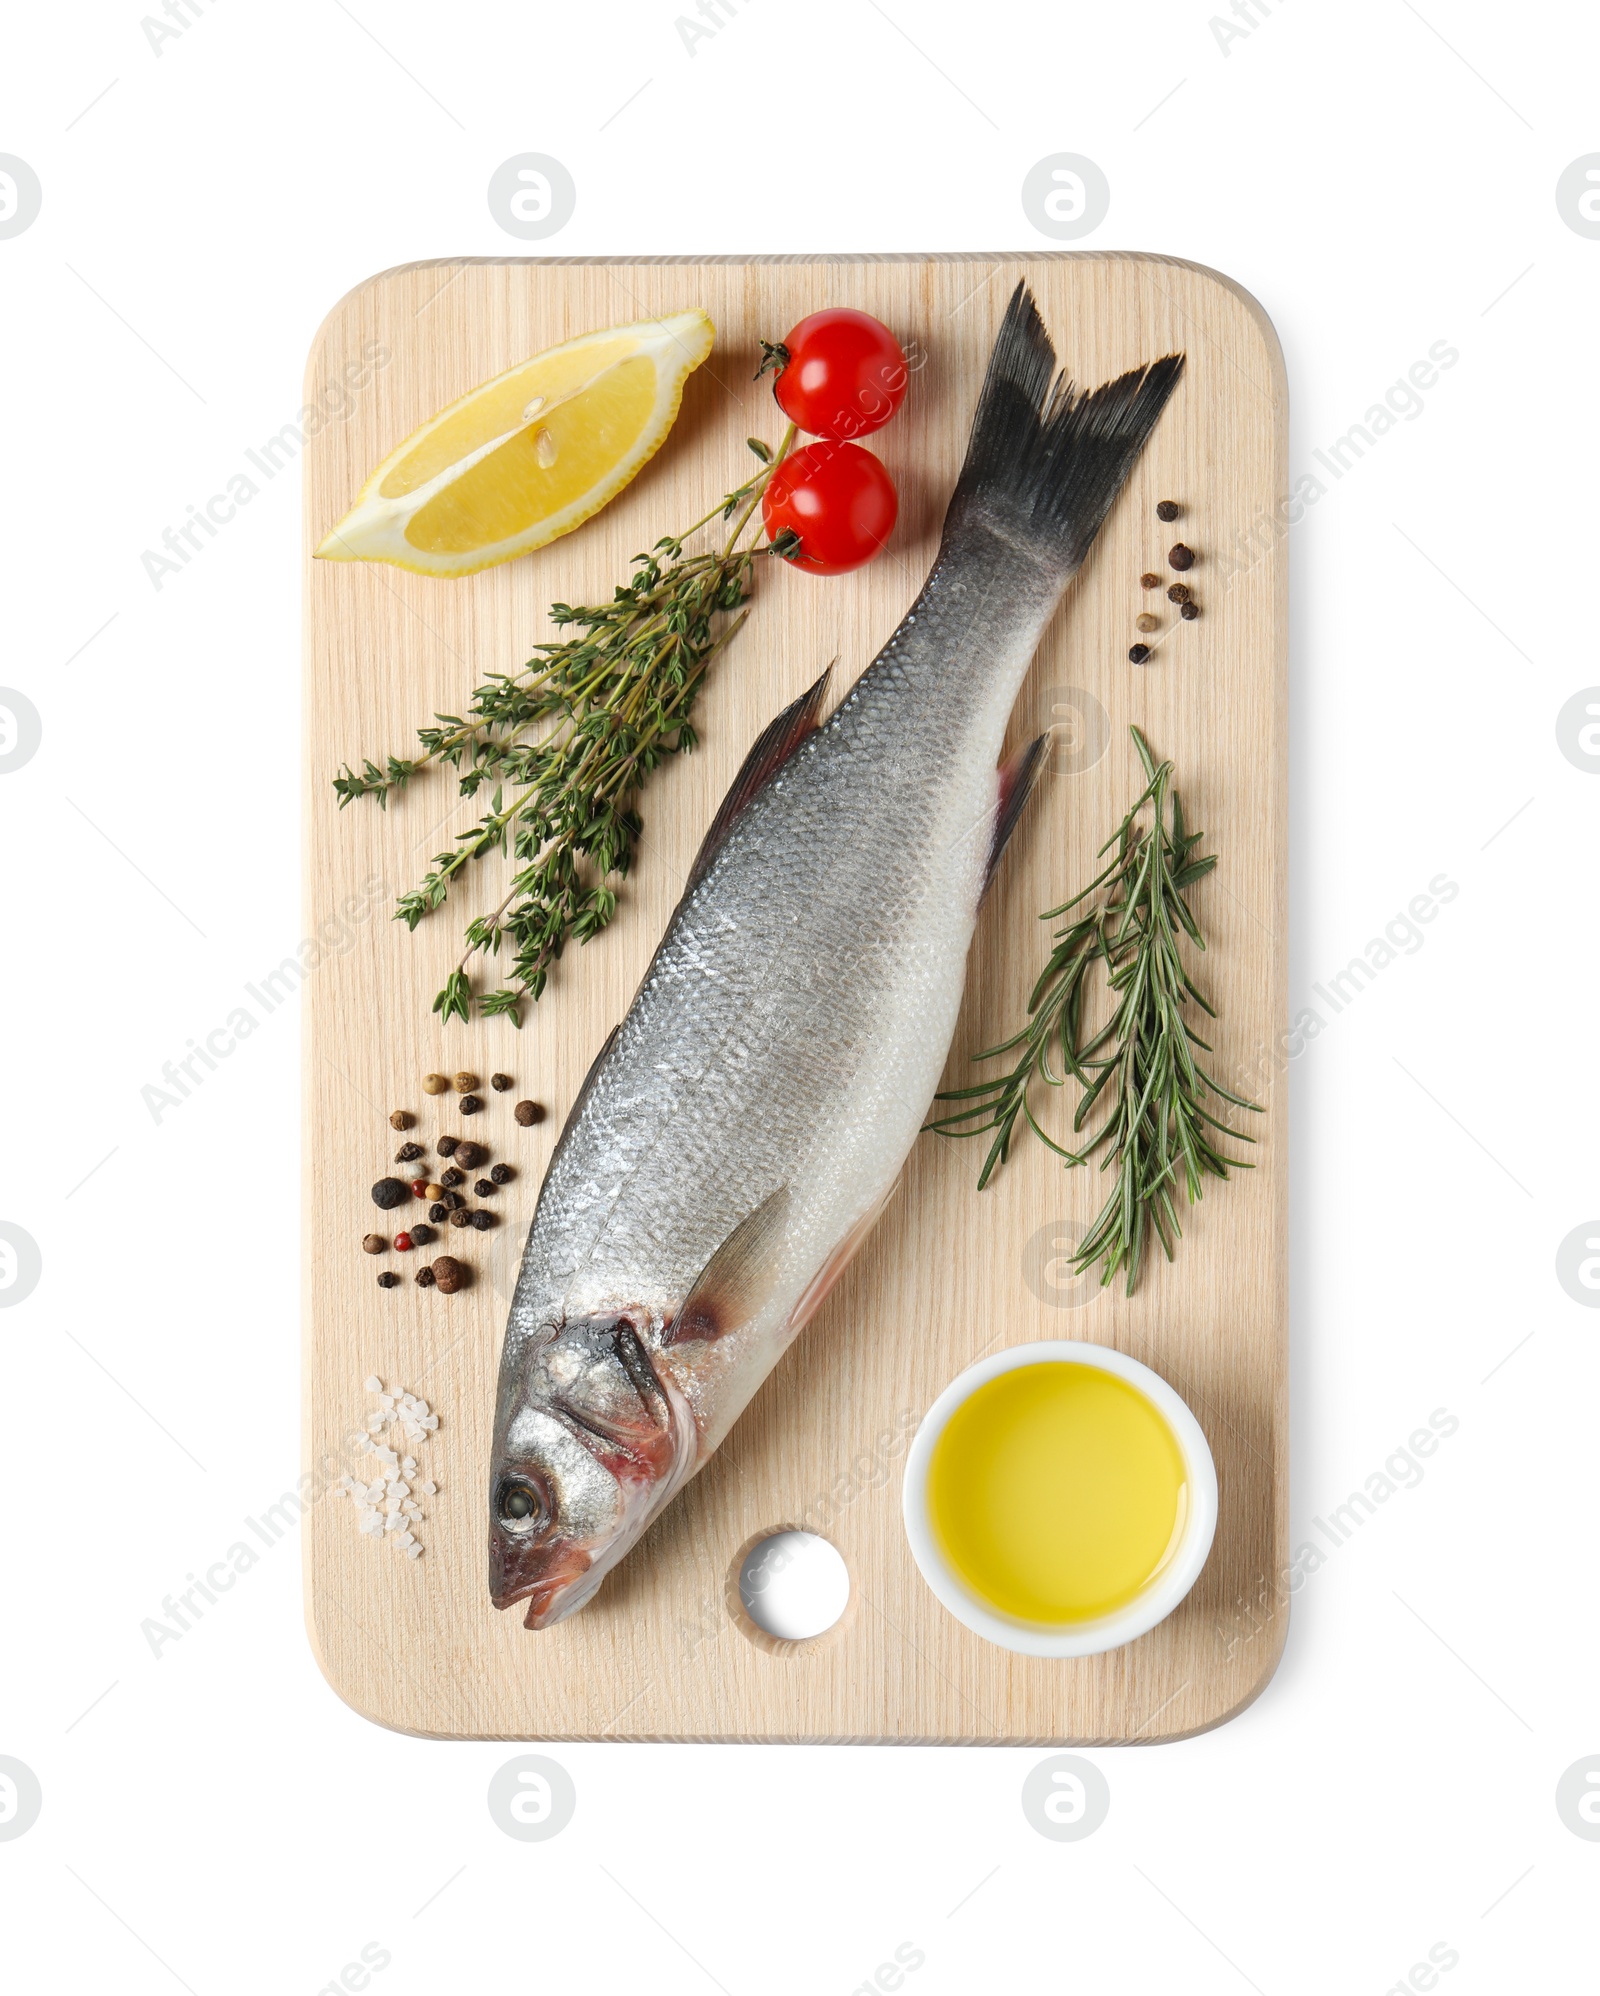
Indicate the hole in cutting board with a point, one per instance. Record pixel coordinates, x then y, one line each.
794 1585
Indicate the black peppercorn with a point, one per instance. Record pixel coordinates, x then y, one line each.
1137 654
1180 557
452 1177
454 1202
1149 581
500 1083
388 1279
483 1220
407 1153
402 1119
390 1192
439 1211
1189 611
461 1217
421 1234
529 1113
502 1174
425 1278
469 1105
485 1188
446 1146
1167 509
1178 593
470 1156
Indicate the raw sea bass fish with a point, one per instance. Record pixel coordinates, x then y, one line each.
743 1126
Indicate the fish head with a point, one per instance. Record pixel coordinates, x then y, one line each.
591 1438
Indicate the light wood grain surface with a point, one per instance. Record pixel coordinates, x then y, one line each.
663 1653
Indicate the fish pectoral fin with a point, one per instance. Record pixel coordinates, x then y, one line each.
822 1283
1018 774
772 748
738 1278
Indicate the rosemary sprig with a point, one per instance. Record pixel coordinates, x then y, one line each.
1141 1062
565 744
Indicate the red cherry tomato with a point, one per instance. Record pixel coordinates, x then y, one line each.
838 499
844 376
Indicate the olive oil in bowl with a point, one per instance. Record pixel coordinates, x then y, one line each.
1060 1498
1057 1492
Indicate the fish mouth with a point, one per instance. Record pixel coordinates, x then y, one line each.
561 1595
563 1582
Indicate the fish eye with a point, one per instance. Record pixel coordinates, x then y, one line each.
521 1505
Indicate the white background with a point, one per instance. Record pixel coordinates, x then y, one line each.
1381 179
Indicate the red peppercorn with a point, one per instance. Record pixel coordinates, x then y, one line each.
402 1243
418 1187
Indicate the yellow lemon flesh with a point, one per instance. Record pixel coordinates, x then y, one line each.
529 455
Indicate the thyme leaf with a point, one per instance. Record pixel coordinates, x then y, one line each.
561 749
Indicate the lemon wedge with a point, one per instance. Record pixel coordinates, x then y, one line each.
527 456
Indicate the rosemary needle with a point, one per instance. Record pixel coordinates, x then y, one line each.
1141 1063
567 743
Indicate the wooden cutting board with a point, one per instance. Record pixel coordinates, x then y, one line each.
664 1652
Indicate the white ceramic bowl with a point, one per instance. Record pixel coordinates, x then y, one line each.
1106 1631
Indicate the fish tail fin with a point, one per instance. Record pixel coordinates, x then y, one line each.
1044 462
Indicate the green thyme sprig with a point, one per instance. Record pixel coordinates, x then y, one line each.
564 745
1140 1065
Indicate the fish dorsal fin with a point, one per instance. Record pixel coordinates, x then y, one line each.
738 1278
1018 775
771 750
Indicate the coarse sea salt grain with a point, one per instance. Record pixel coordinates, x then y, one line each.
387 1506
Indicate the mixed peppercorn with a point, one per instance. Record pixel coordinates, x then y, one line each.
1179 557
446 1205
